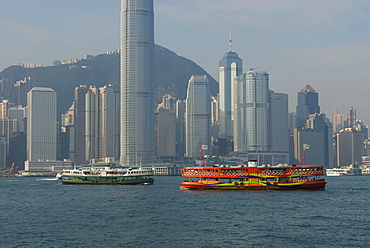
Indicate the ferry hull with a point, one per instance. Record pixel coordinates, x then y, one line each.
310 185
107 181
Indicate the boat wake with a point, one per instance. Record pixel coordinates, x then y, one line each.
47 179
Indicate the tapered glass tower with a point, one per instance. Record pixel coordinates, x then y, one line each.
137 98
230 66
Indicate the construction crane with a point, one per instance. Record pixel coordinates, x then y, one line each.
8 171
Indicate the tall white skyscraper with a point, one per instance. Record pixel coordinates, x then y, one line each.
230 66
137 97
41 124
198 116
252 120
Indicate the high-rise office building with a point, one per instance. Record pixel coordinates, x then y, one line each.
80 124
351 117
308 103
19 115
198 116
215 120
260 120
279 126
20 91
337 120
109 118
350 147
230 66
6 131
92 123
318 135
180 128
95 117
41 124
6 89
252 113
137 97
5 105
165 133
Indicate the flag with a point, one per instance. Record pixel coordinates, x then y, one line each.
306 146
204 147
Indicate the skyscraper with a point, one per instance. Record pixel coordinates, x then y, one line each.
96 123
41 124
337 121
165 132
252 113
279 131
109 122
260 120
318 134
230 66
308 103
137 98
351 117
180 128
350 147
80 124
198 116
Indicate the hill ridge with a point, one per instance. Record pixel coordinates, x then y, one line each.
171 75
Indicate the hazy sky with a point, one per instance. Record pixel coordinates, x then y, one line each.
324 43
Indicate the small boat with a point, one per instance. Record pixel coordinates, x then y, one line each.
107 174
58 176
253 177
336 172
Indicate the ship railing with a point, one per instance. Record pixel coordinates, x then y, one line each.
214 174
311 171
273 173
200 173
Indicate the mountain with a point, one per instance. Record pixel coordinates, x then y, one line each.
171 75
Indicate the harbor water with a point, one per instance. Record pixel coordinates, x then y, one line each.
41 212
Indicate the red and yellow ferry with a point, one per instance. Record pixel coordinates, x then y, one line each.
253 177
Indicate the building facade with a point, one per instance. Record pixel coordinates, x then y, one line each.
350 147
230 66
109 122
137 97
279 126
41 124
198 117
261 130
308 103
351 117
252 112
337 120
165 133
79 124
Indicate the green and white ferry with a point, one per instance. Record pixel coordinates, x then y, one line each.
107 174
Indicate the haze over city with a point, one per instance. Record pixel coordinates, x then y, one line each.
321 43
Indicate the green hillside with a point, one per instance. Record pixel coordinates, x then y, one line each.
171 75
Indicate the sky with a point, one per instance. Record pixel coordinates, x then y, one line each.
324 43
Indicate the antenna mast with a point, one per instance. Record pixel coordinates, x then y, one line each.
230 43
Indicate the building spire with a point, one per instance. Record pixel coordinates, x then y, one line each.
230 43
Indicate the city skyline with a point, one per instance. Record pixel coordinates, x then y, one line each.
316 43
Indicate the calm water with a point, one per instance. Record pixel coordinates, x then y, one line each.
44 213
